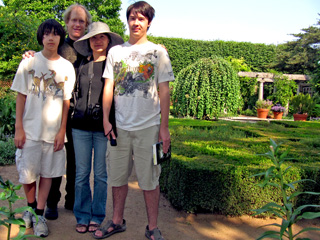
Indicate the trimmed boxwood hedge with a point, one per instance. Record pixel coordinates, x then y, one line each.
212 163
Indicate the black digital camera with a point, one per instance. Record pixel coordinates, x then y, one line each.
95 112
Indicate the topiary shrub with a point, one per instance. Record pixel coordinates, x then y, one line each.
206 88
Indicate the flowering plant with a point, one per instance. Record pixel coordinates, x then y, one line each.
265 104
278 108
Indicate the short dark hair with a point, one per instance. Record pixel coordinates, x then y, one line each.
48 26
143 8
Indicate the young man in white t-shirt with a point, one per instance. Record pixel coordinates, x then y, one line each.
44 84
136 70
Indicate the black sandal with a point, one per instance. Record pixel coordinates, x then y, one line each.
79 225
155 233
116 229
93 225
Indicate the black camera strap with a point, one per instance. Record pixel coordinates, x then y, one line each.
90 75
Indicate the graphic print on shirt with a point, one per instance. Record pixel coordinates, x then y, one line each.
50 86
136 73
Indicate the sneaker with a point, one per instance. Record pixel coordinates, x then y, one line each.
27 218
51 213
40 229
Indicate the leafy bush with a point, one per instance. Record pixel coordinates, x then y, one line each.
285 89
316 111
7 152
302 103
206 88
248 88
7 113
248 112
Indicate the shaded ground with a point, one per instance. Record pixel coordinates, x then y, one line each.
173 224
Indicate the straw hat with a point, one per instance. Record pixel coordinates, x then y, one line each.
82 45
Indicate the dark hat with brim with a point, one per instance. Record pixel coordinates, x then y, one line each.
82 45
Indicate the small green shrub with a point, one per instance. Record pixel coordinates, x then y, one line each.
316 111
302 103
7 113
7 152
249 112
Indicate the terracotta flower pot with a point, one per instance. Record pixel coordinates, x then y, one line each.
277 115
262 113
300 117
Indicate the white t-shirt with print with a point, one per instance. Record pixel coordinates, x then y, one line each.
136 71
46 84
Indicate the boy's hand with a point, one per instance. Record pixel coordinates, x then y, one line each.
28 54
164 136
108 130
19 138
58 142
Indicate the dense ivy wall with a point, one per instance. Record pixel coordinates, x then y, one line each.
184 52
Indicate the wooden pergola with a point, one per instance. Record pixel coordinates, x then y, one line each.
269 77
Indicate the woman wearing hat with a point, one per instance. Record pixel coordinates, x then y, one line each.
87 127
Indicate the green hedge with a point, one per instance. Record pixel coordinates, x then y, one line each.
212 163
184 52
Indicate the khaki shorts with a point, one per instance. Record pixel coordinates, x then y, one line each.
120 158
38 159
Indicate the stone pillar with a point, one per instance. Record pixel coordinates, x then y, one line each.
261 90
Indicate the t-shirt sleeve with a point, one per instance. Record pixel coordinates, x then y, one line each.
165 72
70 78
20 81
108 70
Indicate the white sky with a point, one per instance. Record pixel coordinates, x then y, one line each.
256 21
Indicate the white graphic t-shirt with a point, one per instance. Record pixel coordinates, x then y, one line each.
136 71
46 84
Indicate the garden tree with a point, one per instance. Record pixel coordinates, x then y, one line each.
206 88
315 77
19 20
301 55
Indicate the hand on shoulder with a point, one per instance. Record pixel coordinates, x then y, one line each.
28 54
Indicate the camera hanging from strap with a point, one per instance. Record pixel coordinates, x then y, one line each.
76 91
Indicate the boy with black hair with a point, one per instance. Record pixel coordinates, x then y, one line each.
76 18
134 72
44 84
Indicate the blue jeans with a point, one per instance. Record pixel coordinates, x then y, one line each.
86 208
